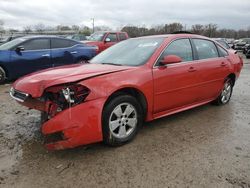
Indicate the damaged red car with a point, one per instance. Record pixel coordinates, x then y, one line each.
136 80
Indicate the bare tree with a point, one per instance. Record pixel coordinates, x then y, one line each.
198 29
75 27
27 29
210 30
40 28
173 27
1 27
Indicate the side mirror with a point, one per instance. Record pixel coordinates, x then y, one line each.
170 59
107 40
19 48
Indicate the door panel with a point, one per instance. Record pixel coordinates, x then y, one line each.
212 69
63 52
175 86
212 73
36 56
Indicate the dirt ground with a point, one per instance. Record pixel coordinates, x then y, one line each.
208 146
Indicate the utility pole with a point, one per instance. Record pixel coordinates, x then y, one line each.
93 24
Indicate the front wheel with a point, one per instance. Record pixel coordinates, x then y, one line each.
226 93
122 118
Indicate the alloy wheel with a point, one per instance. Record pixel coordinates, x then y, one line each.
123 120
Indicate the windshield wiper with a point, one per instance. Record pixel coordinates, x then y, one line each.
111 64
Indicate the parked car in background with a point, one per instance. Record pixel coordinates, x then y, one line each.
32 53
77 37
103 40
9 38
248 52
137 80
241 43
246 48
223 42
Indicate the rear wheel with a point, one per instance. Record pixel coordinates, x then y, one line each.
122 118
2 75
226 93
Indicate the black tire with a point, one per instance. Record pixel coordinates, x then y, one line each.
109 137
2 75
219 101
247 56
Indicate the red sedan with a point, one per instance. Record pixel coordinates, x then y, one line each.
136 80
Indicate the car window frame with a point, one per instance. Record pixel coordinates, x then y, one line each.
28 40
156 63
196 52
76 43
219 45
117 39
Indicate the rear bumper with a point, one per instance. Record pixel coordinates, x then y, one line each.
79 125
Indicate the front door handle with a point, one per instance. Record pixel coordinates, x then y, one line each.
74 52
223 64
45 55
191 69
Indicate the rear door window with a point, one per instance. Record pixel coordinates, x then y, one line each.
205 49
36 44
62 43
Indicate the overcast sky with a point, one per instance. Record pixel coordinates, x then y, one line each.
117 13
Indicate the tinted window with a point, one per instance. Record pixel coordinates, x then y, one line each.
36 44
222 52
181 48
205 49
62 43
112 37
122 36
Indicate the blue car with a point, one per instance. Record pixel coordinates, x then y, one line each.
32 53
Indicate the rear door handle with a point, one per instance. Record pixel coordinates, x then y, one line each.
74 52
45 55
191 69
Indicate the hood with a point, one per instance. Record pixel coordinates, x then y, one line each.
35 83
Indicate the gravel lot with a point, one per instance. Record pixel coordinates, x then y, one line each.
208 146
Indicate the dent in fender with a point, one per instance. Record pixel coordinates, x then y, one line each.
80 125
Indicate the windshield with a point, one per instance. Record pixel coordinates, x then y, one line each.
131 52
96 37
11 44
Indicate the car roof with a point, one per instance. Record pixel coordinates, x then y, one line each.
181 35
41 36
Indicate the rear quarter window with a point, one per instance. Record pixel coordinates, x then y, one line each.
222 52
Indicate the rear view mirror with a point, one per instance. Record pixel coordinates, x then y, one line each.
107 40
19 48
170 59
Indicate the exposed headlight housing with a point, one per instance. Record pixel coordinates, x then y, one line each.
59 98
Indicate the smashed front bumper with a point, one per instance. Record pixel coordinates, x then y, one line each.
74 126
79 125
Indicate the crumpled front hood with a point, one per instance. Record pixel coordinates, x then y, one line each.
35 83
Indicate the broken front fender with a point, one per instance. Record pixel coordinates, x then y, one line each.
78 125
